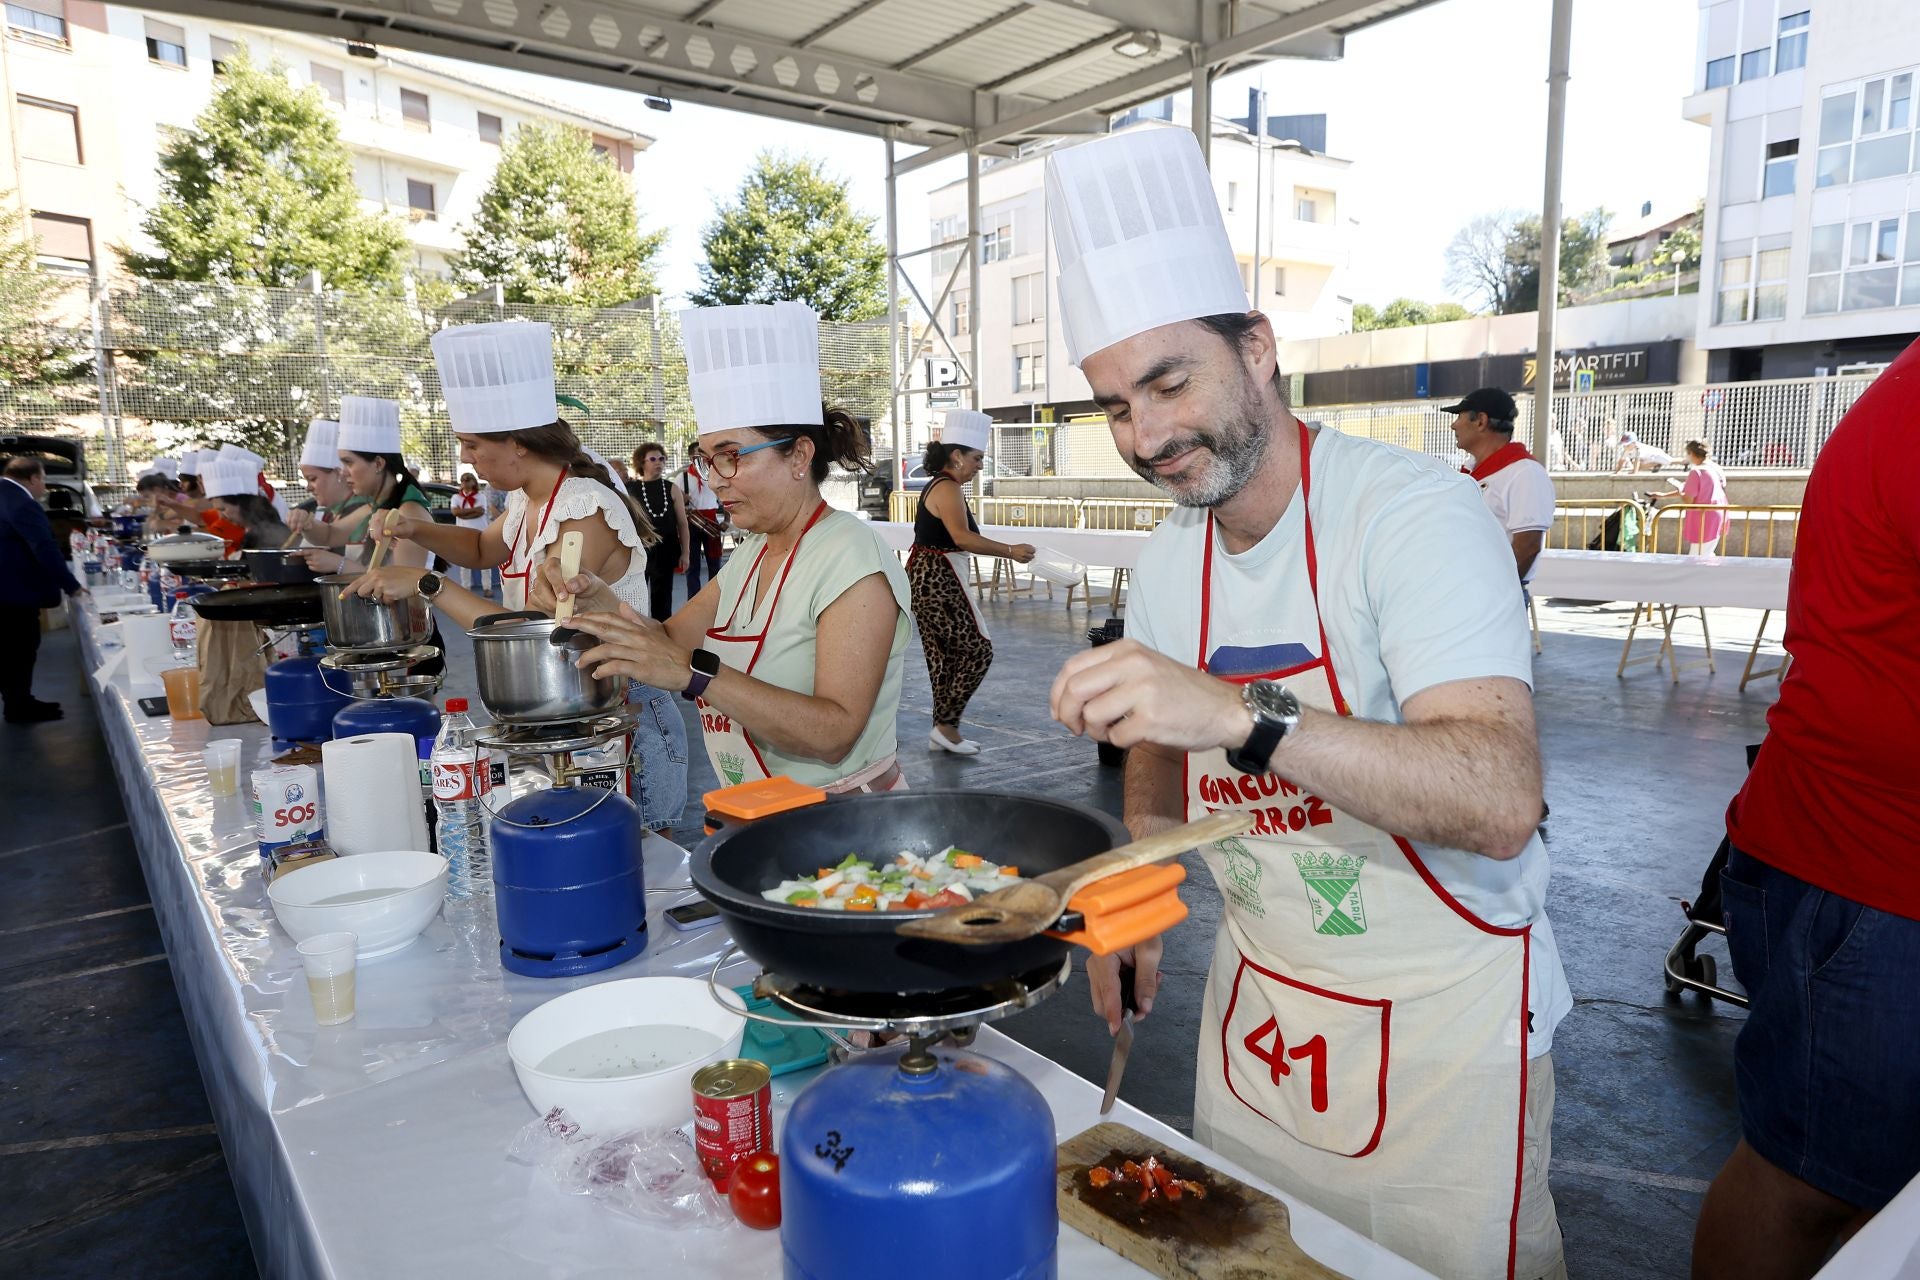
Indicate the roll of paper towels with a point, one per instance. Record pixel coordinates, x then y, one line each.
373 793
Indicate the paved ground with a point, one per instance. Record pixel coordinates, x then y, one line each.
107 1157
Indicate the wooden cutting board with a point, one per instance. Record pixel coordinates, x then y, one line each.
1235 1233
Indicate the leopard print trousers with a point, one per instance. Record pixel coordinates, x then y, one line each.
957 654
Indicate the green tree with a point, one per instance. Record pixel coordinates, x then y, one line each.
260 191
1495 259
558 226
792 235
37 354
1680 251
1402 312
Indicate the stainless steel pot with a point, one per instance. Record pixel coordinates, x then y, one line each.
525 678
176 548
357 624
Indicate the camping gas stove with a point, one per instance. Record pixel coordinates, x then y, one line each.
387 697
591 752
919 1149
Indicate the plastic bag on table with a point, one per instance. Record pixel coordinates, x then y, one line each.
650 1175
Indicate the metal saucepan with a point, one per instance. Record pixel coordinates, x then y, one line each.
284 605
357 624
277 564
860 951
178 547
525 678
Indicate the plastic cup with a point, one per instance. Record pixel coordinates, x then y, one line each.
329 961
223 766
183 692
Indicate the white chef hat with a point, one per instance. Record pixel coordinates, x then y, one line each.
496 377
234 453
369 425
230 478
168 467
1140 240
752 366
191 460
968 428
322 446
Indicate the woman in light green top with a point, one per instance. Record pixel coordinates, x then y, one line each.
794 652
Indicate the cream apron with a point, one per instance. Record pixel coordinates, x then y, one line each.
1364 1039
730 748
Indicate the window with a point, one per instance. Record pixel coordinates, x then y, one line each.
1753 65
1867 131
1029 298
1720 72
223 51
65 244
413 111
1791 49
1233 195
1736 293
1854 267
1753 284
489 129
1781 157
332 82
1306 209
420 206
1279 282
1910 276
1770 284
43 21
997 244
959 318
49 130
1026 366
1900 102
166 44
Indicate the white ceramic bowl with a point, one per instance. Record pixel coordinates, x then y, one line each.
621 1055
388 898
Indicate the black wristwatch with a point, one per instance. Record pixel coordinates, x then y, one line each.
1275 714
705 665
428 586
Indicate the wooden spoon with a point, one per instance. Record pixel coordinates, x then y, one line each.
1031 907
570 543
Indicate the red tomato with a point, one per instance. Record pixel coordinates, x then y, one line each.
944 899
754 1192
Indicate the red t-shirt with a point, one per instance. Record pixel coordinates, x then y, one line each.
1834 797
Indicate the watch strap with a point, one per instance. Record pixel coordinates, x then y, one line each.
705 665
1253 755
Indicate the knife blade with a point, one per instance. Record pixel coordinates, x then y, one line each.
1122 1040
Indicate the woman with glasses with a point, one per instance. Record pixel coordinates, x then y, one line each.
794 652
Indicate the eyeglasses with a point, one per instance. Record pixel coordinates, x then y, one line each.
726 462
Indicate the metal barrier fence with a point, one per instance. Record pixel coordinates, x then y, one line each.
1580 523
144 368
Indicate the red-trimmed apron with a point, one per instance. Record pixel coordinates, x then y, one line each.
1364 1039
730 748
514 582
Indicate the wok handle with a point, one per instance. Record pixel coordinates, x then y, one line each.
1069 880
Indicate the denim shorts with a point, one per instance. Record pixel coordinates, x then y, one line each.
1828 1063
657 773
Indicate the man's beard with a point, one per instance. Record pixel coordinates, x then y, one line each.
1237 451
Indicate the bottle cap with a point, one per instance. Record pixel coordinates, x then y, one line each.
456 704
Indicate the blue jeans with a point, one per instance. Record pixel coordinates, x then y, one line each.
699 557
657 772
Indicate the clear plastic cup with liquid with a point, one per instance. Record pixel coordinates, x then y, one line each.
223 766
329 961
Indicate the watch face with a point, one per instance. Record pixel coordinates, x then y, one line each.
1270 698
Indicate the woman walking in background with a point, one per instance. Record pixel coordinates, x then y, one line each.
952 632
1706 486
667 511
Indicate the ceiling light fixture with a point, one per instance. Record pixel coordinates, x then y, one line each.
360 49
1138 44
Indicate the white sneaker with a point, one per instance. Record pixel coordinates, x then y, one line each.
937 741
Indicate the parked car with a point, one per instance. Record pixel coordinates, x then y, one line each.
876 488
70 501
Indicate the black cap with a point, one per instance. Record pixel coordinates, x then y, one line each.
1492 401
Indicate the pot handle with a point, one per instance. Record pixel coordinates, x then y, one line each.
518 615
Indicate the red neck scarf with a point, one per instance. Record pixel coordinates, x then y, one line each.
1500 459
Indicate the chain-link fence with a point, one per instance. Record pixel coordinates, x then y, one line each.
149 368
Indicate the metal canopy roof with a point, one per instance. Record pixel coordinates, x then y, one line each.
941 74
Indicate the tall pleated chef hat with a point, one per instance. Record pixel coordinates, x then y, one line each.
369 425
234 453
1139 236
230 478
968 428
168 467
496 377
752 366
191 461
322 446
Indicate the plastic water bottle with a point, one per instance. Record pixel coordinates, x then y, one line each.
461 778
184 628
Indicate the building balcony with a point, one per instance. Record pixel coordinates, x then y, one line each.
385 139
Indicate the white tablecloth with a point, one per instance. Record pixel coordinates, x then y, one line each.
378 1148
1730 582
1099 548
1887 1248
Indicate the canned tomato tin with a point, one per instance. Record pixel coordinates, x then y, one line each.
732 1114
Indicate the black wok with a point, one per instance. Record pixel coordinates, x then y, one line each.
282 605
207 570
277 564
860 951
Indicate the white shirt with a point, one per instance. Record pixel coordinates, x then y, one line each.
1416 589
1520 496
699 497
1638 452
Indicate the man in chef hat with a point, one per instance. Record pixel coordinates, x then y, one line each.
1323 636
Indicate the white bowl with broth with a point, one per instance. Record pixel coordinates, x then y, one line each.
386 898
621 1055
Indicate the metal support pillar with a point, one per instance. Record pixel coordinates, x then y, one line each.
1203 106
1558 59
975 246
894 318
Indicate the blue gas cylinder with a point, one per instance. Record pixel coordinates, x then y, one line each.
952 1168
301 704
567 885
416 716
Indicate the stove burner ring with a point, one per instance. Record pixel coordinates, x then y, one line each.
556 739
920 1014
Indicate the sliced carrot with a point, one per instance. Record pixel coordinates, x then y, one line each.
824 873
1099 1176
966 860
860 904
1010 871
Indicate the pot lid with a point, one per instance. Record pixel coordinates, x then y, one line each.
188 540
511 627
